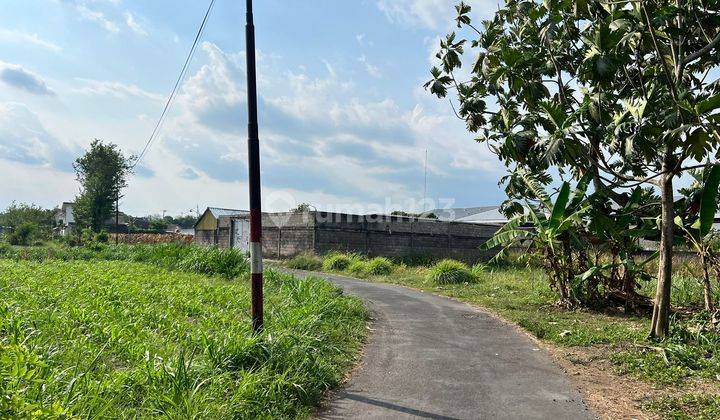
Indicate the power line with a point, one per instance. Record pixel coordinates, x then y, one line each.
180 78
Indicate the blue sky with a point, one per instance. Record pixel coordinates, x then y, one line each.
344 119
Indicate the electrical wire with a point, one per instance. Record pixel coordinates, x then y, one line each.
158 125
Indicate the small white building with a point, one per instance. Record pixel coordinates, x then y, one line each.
64 219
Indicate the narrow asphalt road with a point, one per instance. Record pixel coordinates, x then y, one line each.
433 357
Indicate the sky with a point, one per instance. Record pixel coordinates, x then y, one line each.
344 120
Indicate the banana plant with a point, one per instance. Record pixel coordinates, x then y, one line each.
615 233
700 235
553 235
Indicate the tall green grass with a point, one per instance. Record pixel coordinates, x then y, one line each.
336 261
117 339
450 272
224 262
305 261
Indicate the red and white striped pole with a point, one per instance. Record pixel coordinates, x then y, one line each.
256 268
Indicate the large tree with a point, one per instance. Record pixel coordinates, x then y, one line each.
102 172
625 90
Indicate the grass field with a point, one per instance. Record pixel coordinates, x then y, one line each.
521 294
123 339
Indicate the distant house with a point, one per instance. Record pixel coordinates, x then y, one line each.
484 215
65 221
214 225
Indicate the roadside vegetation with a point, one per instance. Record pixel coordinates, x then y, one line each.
227 263
163 330
687 363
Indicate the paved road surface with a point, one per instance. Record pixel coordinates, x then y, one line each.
433 357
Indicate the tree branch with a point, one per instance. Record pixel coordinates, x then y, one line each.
704 50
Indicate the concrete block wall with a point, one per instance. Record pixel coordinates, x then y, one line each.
204 237
288 234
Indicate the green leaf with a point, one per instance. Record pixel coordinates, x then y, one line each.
560 204
708 202
503 238
555 114
708 104
580 189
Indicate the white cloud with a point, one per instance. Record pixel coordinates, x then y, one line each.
133 24
372 70
24 139
115 89
21 78
97 17
318 135
430 14
18 37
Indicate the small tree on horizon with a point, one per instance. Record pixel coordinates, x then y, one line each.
102 173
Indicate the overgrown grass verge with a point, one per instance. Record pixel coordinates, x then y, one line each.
521 294
225 262
118 339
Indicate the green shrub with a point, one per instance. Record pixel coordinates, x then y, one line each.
379 266
23 234
338 262
87 235
101 237
305 261
478 269
450 272
358 268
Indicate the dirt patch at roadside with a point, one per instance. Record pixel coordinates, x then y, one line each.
608 394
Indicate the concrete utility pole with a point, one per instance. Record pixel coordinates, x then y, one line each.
256 268
117 215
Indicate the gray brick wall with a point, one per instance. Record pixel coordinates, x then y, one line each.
288 234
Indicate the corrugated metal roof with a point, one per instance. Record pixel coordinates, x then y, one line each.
459 213
490 216
219 211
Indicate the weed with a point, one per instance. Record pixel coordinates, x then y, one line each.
449 272
338 261
358 268
305 261
379 266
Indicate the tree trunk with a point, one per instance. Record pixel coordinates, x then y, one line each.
707 289
661 310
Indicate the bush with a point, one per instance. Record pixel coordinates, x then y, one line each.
450 272
379 266
478 269
87 235
305 261
338 262
101 237
358 268
23 234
